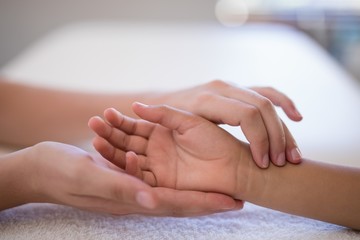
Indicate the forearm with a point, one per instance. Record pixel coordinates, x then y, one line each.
33 114
312 189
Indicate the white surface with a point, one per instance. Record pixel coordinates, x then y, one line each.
46 221
123 57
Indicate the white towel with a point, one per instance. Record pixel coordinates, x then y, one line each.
47 221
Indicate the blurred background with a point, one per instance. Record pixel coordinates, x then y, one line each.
335 24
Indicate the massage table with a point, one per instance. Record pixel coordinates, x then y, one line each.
139 56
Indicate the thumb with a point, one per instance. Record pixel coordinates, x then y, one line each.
167 116
126 189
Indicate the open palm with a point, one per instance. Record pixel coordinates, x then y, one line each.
171 149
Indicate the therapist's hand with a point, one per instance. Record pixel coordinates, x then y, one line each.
250 108
63 174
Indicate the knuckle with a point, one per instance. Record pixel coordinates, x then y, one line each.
265 104
218 84
252 112
202 98
270 89
163 108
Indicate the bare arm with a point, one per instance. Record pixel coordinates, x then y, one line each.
180 150
312 189
33 114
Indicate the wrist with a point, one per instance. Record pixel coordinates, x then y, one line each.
250 178
39 175
14 184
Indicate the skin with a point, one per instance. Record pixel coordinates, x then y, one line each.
70 110
179 150
216 101
63 174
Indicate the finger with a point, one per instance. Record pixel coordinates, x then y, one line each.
293 153
280 99
132 167
248 117
115 155
149 178
126 142
274 129
99 126
117 137
192 203
109 152
260 98
168 117
116 186
127 124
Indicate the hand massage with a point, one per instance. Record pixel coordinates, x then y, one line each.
223 157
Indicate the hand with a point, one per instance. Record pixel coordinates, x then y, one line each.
250 108
67 175
175 149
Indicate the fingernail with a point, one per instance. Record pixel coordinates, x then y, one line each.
235 205
281 159
296 154
145 200
265 161
239 204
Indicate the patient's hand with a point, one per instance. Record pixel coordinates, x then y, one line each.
173 149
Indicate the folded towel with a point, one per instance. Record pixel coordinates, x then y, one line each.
48 221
